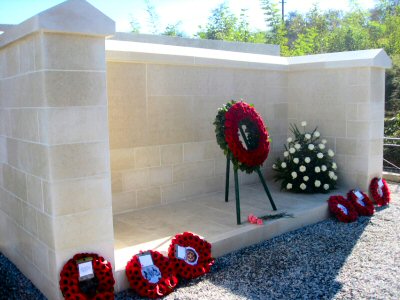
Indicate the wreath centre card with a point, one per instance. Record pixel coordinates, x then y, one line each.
85 269
149 271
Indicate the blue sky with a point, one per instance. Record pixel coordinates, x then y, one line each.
192 13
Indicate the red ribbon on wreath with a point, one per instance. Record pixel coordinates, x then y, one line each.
102 285
342 209
361 202
161 286
380 191
242 113
190 255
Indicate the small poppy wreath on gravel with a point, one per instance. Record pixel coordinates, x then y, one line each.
151 274
232 117
380 191
361 202
101 286
190 255
342 209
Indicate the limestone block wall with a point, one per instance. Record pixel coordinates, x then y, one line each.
55 187
59 133
163 100
346 102
162 139
23 161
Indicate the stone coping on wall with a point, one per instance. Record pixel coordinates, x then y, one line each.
255 48
72 16
166 54
350 59
126 51
6 27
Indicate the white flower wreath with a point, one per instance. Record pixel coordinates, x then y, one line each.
309 156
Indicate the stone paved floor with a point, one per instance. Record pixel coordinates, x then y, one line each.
214 219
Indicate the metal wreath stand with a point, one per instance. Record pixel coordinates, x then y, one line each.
235 174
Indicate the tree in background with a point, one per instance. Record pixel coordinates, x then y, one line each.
243 32
276 30
392 103
153 20
387 13
221 25
135 25
224 25
152 17
174 30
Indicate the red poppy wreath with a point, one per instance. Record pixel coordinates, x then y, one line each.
235 117
151 274
190 255
87 276
361 202
342 209
380 191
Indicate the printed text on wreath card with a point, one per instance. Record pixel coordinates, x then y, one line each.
85 270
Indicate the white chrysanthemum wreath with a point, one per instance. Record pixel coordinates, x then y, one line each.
307 165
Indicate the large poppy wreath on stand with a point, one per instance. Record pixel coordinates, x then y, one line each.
240 116
151 274
190 255
87 276
342 209
361 203
380 191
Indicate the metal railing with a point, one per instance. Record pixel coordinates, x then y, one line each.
391 166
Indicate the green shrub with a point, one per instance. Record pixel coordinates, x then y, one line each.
392 153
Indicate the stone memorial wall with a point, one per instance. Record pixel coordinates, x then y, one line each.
92 127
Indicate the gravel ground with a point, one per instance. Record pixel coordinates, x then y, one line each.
14 285
329 260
